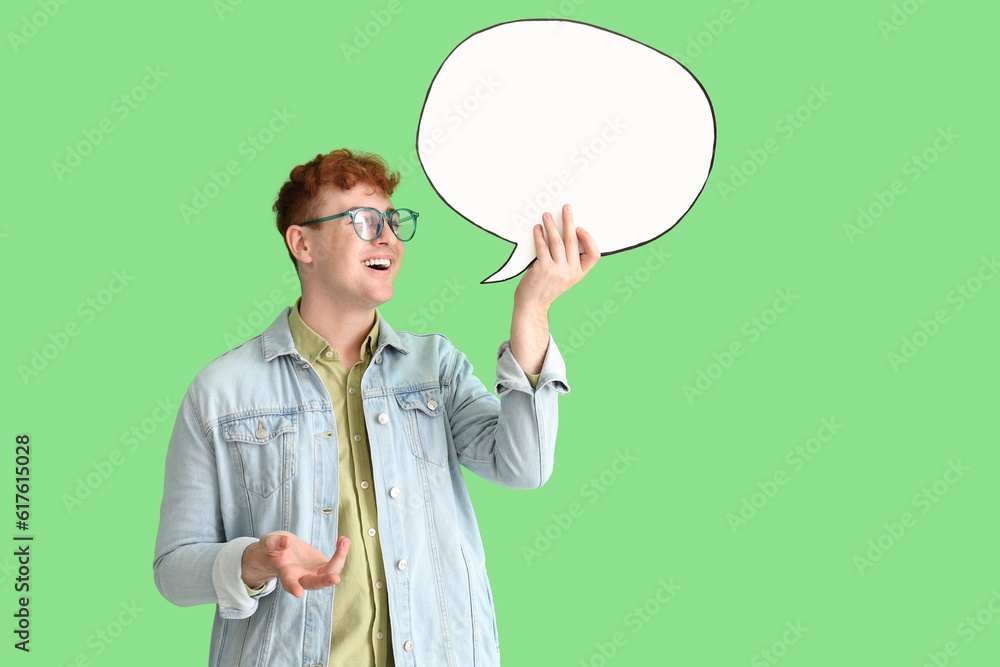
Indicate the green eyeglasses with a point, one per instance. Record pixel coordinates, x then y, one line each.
368 222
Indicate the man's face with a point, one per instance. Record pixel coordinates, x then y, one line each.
338 271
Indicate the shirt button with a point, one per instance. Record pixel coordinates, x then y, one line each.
394 492
350 390
371 532
383 418
379 635
364 484
378 584
408 645
431 405
328 354
357 437
378 358
401 564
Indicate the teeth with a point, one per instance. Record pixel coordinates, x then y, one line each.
381 262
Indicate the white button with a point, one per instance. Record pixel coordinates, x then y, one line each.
371 532
350 390
364 484
379 635
328 354
383 418
401 564
378 358
378 584
394 492
432 405
357 437
408 645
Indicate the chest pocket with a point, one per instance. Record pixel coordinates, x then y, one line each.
425 420
263 450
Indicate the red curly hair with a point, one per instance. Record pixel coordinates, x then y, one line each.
301 195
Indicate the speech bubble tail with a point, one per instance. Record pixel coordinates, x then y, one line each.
515 264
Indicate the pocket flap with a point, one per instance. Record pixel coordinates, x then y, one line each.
258 430
429 401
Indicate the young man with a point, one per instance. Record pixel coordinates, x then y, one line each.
331 434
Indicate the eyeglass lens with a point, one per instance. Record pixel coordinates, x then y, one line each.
367 221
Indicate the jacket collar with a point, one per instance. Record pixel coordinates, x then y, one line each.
277 338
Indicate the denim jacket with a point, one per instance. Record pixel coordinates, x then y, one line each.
254 449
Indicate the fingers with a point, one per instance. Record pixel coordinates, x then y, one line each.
569 234
336 563
291 584
541 250
556 249
591 253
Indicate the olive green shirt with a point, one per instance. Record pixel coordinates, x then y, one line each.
361 609
360 629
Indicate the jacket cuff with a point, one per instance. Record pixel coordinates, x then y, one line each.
511 376
227 577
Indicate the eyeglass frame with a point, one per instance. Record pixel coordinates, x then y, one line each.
381 221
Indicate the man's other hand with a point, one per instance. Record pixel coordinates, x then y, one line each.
560 264
298 565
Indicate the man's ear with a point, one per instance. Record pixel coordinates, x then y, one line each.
298 244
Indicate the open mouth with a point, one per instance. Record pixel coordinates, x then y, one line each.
378 264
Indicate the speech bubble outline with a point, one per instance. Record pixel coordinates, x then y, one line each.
497 58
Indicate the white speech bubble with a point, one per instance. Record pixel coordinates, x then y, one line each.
525 116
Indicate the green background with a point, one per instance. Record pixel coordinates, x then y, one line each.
697 457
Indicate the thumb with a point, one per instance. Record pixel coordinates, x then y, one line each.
276 542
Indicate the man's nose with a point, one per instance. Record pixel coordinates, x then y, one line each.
386 236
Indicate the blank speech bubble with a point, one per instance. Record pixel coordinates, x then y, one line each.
525 116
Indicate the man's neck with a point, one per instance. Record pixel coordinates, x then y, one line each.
345 330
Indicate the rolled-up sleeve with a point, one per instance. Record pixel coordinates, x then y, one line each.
508 438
